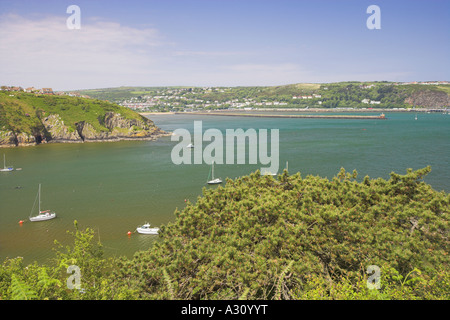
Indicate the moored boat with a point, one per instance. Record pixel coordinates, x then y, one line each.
146 229
42 215
213 180
5 168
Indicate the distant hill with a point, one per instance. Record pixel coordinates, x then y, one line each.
118 93
27 118
328 95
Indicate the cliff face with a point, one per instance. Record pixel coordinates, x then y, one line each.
10 138
7 138
56 130
30 119
429 99
53 129
118 128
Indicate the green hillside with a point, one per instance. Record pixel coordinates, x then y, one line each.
326 95
27 113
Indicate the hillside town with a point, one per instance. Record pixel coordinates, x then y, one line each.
47 91
188 99
175 101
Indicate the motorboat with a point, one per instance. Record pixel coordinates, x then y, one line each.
146 229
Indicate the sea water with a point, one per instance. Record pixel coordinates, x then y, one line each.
113 187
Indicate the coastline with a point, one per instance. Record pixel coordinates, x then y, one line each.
147 113
151 138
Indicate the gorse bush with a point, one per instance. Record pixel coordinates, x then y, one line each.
271 238
261 237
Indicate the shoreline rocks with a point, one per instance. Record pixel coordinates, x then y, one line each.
114 127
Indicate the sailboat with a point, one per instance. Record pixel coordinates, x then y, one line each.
5 169
416 116
190 145
213 181
43 215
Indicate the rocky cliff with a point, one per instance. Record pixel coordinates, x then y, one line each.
69 121
119 128
429 99
54 130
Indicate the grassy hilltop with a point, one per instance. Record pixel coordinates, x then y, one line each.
29 118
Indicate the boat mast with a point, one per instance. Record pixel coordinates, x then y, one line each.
39 199
213 170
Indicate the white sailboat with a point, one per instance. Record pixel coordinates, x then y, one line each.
145 229
213 181
43 215
190 145
5 169
416 116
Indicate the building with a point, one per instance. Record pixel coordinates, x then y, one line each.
31 89
46 91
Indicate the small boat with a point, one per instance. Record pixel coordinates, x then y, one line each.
42 215
6 169
145 229
190 145
266 172
213 181
416 116
269 173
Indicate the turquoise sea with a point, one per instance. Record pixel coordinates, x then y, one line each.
114 187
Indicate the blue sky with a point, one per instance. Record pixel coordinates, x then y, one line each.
221 42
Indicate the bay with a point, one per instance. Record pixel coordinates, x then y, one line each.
114 187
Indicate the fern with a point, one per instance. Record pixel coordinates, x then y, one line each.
20 290
45 281
244 294
169 284
280 280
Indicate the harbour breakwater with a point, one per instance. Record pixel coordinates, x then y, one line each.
309 116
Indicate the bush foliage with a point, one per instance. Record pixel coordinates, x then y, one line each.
261 237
